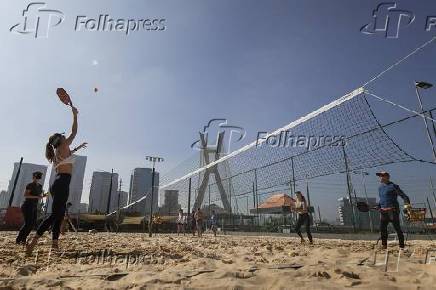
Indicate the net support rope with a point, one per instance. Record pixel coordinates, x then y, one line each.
401 60
399 106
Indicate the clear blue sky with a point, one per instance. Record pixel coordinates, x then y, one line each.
260 64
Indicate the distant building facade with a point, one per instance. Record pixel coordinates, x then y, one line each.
4 199
99 192
140 186
83 207
362 219
123 198
171 202
76 184
24 178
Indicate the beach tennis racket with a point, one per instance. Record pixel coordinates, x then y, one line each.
362 206
64 97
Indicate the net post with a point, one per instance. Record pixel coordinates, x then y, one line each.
293 189
431 212
150 225
347 174
254 204
11 198
432 191
430 138
308 202
209 201
231 208
189 203
257 197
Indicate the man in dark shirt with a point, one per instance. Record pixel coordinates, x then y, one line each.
389 207
32 195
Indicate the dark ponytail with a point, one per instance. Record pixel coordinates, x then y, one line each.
49 152
53 142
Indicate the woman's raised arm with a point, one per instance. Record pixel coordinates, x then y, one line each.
73 134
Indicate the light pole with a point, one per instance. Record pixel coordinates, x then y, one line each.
152 159
117 217
119 193
109 196
425 86
11 198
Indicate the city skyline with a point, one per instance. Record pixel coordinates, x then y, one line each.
143 179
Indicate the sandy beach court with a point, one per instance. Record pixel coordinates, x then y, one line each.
134 261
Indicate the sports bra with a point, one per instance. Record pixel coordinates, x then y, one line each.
300 206
69 160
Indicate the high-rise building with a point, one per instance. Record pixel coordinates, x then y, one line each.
83 207
140 186
171 202
99 193
24 178
123 196
362 219
76 184
4 199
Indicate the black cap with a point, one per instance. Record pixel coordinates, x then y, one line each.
37 174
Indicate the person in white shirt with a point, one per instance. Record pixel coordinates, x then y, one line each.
181 222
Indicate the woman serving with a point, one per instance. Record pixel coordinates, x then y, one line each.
59 154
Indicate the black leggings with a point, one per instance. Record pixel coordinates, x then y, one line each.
386 217
60 191
29 210
303 219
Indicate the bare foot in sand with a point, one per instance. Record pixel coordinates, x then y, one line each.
30 246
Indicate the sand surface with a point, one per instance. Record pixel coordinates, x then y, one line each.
134 261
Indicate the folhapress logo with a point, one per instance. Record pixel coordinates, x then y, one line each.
219 127
38 20
388 20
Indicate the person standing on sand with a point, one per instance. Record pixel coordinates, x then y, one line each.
213 223
389 208
59 154
32 195
180 222
199 217
303 216
193 223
